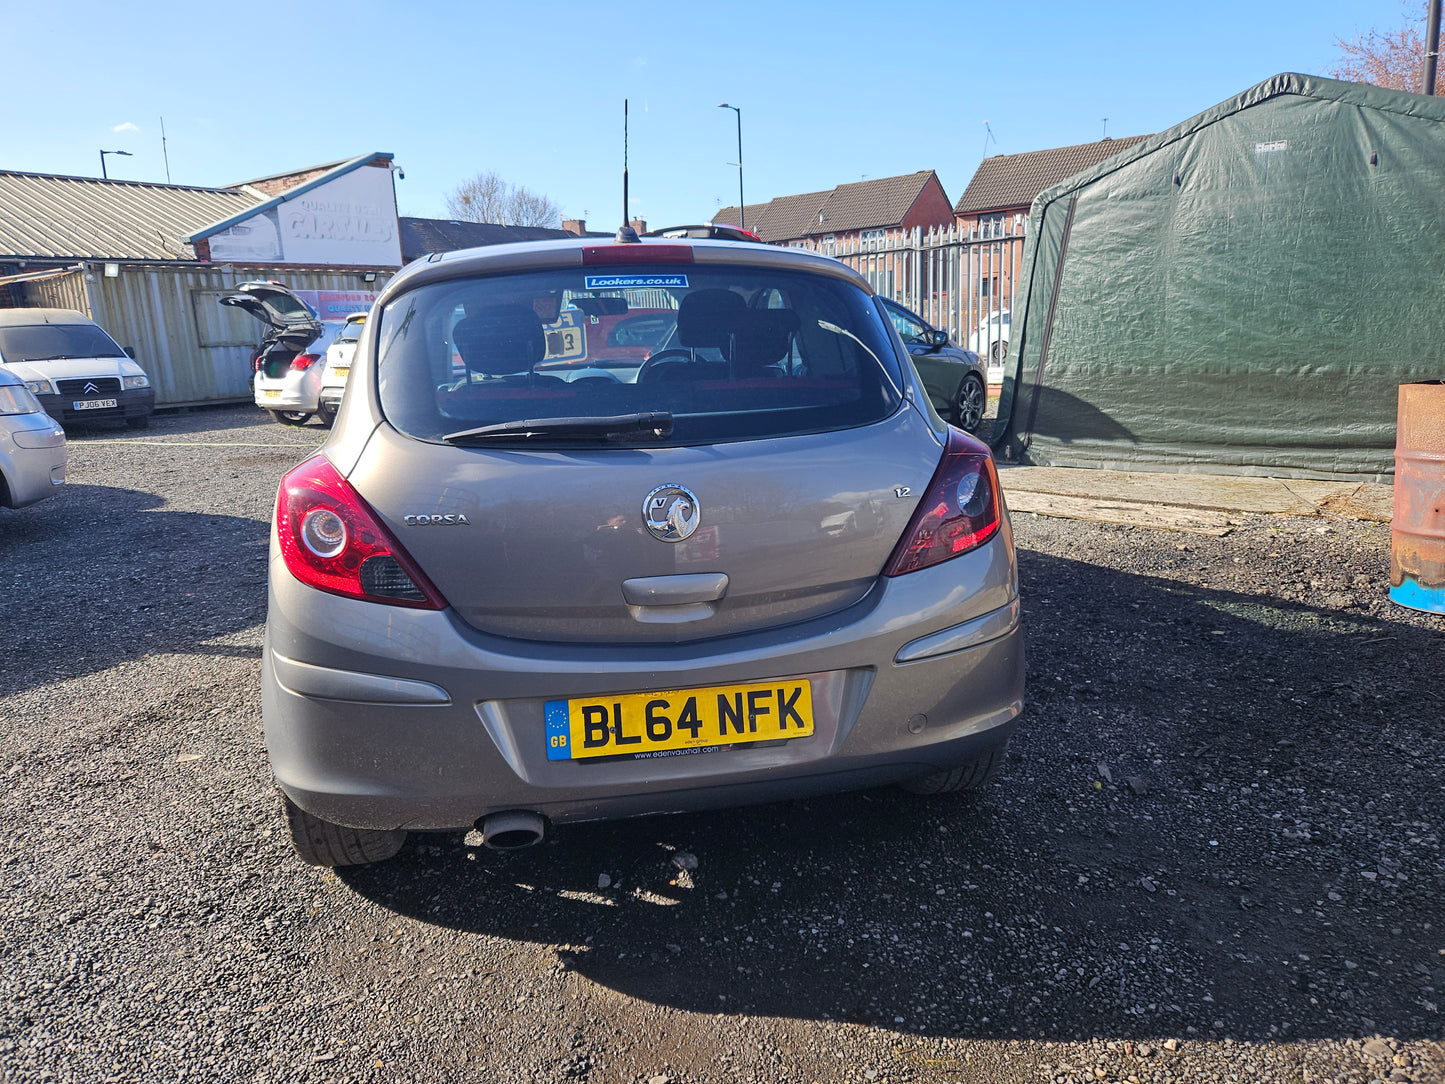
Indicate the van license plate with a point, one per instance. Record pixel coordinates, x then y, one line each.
94 404
678 722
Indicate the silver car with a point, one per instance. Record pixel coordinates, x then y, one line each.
751 566
32 446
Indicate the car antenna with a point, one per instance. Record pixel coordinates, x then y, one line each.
626 235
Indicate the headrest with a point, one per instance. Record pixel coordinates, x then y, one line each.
762 337
500 339
705 317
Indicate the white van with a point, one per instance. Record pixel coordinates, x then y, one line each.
74 368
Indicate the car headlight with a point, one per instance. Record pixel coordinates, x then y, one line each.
39 387
135 382
17 400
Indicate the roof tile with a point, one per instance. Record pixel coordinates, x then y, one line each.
862 205
1013 180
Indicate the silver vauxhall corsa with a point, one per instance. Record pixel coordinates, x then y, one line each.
522 584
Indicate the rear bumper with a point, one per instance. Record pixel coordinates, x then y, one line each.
134 403
288 399
383 717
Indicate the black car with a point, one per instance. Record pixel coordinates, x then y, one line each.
956 379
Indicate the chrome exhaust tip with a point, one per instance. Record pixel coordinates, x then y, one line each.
512 830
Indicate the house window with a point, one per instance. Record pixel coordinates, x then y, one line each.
830 244
872 238
990 226
988 287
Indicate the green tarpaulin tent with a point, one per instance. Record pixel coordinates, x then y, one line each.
1240 294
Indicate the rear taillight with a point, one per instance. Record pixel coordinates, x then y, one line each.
304 361
960 511
331 540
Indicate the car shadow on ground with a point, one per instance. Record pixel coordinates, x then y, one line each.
100 558
1221 817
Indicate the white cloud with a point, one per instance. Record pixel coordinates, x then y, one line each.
126 127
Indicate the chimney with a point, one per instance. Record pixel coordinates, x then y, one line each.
575 226
640 225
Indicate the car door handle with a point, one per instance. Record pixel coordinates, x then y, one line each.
686 590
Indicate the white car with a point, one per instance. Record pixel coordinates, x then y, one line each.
288 378
338 367
990 340
76 371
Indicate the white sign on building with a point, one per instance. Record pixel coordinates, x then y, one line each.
347 222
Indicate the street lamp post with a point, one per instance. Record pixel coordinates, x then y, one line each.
103 175
742 207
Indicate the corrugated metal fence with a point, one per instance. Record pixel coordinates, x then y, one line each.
960 277
194 349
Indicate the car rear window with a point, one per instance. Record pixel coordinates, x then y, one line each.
351 331
729 353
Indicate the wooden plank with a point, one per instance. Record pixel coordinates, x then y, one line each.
1160 517
1225 493
1356 500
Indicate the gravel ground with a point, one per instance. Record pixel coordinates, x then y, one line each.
1215 854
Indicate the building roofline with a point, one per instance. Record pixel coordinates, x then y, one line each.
338 170
111 181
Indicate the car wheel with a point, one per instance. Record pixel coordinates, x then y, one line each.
322 843
971 776
143 422
326 417
289 417
998 351
968 403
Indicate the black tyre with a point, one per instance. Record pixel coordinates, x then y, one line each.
322 843
325 417
289 417
971 776
969 402
142 422
998 351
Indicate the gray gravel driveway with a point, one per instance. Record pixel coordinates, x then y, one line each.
1215 854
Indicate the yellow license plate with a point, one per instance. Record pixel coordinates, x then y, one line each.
678 722
268 393
341 371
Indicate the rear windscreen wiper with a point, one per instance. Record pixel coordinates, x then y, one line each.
653 425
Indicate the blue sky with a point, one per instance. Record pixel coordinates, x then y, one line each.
830 92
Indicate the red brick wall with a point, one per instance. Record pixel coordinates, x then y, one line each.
931 208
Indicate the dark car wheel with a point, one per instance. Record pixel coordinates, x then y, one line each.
322 843
968 404
998 351
289 417
974 775
326 416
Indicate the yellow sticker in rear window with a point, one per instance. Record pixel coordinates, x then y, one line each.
678 722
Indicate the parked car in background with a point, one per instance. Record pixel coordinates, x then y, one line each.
338 367
32 445
287 380
956 380
76 371
748 566
990 340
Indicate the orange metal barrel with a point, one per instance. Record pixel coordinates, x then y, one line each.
1417 531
